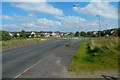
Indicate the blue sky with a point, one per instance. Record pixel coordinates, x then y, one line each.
58 16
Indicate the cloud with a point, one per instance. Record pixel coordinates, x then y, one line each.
71 23
6 17
10 27
17 18
41 24
31 15
102 8
76 23
38 7
24 1
69 19
49 23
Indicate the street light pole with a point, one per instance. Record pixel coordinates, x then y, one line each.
106 29
76 6
99 24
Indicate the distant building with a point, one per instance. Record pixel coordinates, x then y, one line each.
41 33
11 34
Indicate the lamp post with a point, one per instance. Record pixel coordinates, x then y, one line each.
99 25
106 29
76 6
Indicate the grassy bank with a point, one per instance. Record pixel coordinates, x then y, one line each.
17 42
97 54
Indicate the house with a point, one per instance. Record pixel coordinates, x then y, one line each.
15 34
11 34
30 34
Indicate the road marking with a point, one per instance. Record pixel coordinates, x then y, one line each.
30 67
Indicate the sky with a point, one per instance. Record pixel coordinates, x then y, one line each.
59 16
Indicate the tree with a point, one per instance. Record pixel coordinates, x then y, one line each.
89 34
84 34
118 32
76 34
23 34
102 34
5 36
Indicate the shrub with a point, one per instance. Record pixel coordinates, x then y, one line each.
5 36
99 50
88 46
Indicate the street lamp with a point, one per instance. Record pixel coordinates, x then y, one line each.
106 30
76 6
99 24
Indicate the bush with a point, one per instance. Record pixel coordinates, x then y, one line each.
88 47
5 36
99 50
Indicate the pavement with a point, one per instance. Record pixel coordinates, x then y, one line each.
51 54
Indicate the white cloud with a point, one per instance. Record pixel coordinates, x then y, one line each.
17 18
10 27
71 23
69 19
102 8
6 17
31 15
76 23
38 7
24 1
49 23
41 24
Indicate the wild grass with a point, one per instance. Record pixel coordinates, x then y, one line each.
104 55
17 42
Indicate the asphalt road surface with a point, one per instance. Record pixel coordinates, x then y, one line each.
16 60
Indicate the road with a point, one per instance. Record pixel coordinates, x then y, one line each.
16 60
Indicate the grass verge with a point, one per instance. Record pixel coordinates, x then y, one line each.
103 55
17 42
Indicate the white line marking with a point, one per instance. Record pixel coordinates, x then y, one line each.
30 67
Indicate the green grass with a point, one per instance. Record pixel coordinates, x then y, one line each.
84 60
17 42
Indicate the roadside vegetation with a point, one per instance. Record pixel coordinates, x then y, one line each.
8 41
17 42
96 54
